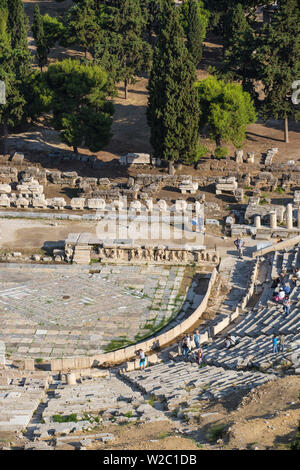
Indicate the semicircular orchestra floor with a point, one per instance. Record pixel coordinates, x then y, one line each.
51 313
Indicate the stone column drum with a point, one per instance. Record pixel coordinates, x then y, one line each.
289 216
257 221
273 219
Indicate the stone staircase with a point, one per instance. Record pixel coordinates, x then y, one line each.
82 254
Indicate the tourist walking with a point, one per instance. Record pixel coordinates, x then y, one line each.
189 341
197 339
281 342
185 346
287 305
142 359
239 243
275 344
296 275
199 356
287 289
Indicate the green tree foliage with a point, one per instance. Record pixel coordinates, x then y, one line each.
122 51
17 24
82 25
278 52
150 11
221 11
39 37
14 64
172 111
54 30
197 22
226 110
79 105
202 13
239 61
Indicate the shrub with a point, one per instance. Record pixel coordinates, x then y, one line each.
221 152
295 445
216 432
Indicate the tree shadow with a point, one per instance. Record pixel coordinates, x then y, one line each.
249 134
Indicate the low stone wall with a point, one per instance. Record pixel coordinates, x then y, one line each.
277 246
129 352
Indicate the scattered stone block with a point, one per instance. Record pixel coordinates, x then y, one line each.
18 158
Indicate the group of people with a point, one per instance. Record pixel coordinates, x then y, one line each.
282 292
190 342
230 341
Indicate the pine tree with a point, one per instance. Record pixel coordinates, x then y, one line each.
82 25
226 110
278 52
40 38
122 50
172 111
79 103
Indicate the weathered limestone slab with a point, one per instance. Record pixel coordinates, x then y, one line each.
5 189
77 203
56 202
96 203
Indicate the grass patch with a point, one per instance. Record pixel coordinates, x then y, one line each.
117 344
163 435
72 418
152 400
216 432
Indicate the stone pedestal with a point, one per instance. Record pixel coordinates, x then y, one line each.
289 216
71 379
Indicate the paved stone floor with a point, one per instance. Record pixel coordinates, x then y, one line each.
64 312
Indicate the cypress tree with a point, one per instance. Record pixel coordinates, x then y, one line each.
239 60
14 64
195 32
39 36
17 24
172 111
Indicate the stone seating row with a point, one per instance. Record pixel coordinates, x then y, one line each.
177 382
19 398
